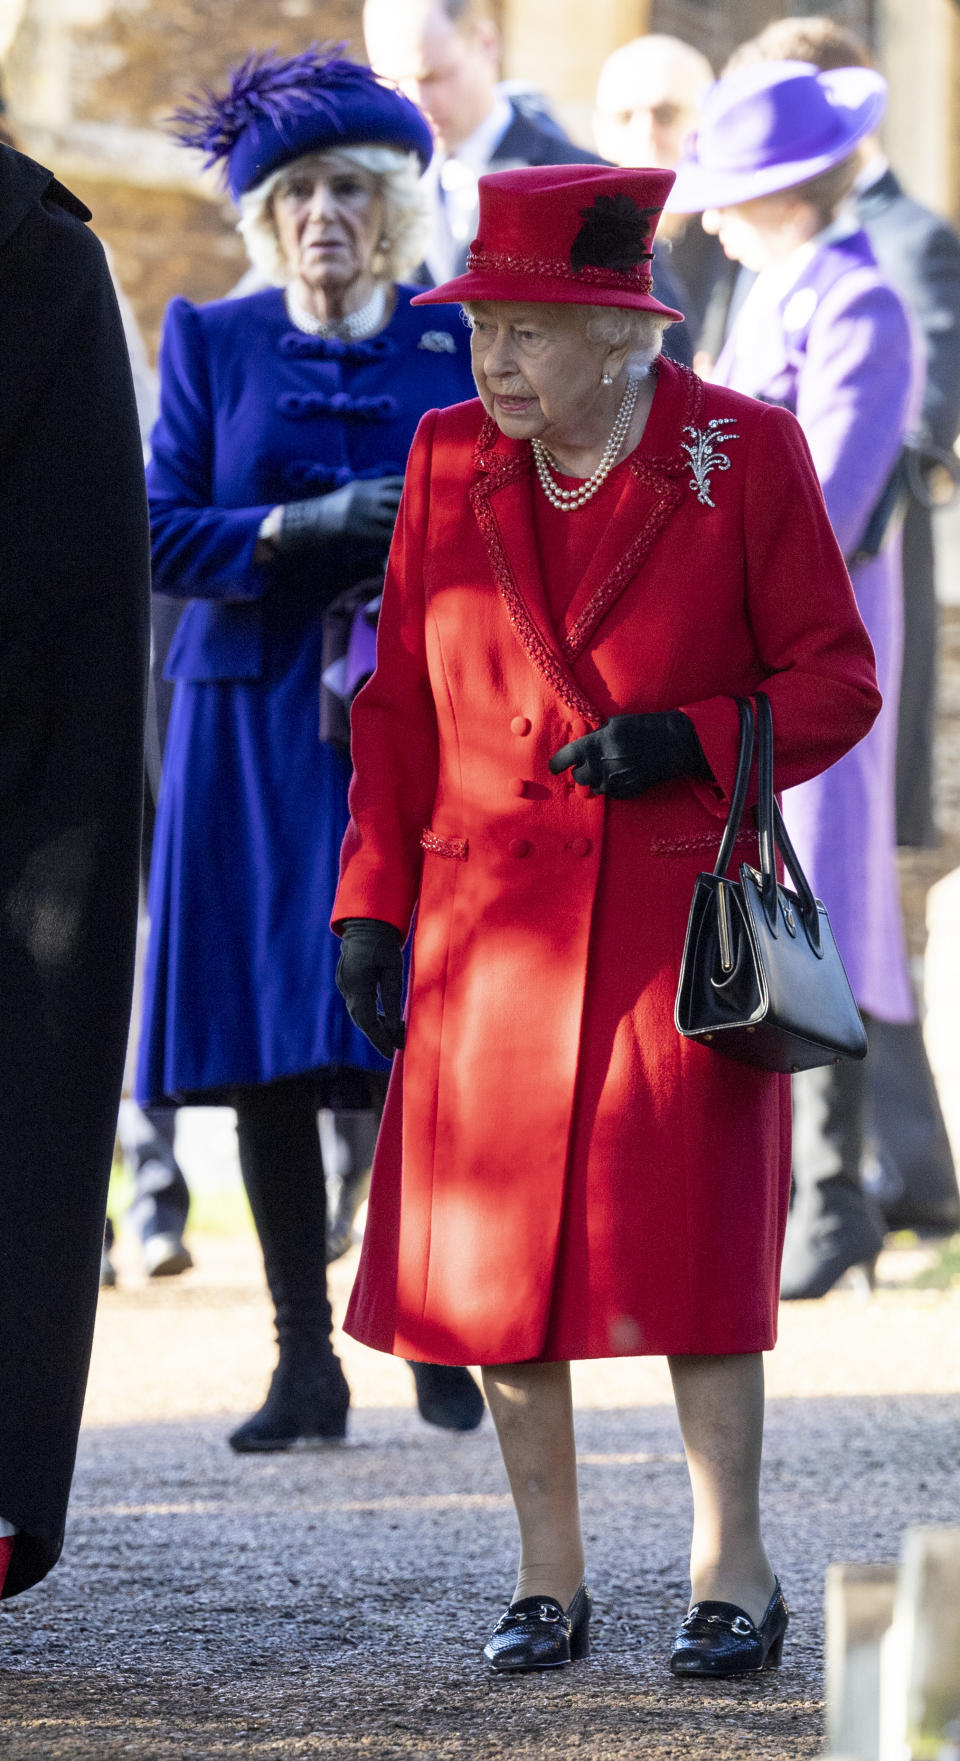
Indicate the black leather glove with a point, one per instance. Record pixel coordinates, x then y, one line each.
371 959
364 509
631 753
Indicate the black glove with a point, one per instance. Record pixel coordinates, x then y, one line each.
371 959
631 753
364 509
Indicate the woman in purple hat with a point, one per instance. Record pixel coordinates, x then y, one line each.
823 334
278 457
592 561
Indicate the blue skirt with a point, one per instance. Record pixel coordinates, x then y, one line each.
239 982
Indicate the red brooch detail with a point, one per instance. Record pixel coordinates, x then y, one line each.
457 848
552 268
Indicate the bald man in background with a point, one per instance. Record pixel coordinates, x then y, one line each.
648 103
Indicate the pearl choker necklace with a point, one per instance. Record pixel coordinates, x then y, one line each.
568 499
354 325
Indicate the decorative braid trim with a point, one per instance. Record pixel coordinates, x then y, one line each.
668 497
457 848
705 841
548 664
509 262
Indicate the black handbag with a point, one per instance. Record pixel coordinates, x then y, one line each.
761 979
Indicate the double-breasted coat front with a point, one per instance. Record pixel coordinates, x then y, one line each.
559 1174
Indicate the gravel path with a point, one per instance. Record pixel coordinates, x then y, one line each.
334 1604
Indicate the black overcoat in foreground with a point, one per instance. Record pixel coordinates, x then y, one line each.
73 636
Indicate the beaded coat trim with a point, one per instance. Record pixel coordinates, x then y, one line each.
661 473
547 663
457 848
498 262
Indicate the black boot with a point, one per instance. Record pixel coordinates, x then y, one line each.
448 1396
284 1178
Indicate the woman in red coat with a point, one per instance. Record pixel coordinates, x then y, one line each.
591 562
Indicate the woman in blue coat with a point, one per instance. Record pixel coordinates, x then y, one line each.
278 457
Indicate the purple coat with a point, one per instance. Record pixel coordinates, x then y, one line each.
837 350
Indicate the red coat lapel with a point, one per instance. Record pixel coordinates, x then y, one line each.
653 491
500 499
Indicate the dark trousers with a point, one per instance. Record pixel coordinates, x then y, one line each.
161 1199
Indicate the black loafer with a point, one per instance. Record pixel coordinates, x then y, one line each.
536 1633
718 1638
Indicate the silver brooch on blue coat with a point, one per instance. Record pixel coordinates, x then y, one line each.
439 342
703 451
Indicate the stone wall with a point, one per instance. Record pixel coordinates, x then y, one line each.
90 84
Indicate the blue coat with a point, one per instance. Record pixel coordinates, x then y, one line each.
239 983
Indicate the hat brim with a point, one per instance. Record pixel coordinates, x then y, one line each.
538 290
702 186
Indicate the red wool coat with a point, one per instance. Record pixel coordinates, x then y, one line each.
559 1174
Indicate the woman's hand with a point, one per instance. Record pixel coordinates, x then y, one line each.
365 509
632 753
371 960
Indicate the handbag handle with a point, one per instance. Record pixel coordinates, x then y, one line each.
741 781
773 835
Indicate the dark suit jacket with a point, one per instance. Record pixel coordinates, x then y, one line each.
74 582
920 255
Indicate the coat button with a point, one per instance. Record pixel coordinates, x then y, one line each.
580 846
517 786
521 724
519 847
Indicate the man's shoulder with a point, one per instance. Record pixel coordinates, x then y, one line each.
529 142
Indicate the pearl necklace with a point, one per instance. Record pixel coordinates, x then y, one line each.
353 325
568 499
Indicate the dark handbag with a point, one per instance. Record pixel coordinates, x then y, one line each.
761 979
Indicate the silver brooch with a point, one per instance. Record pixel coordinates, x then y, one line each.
703 451
439 342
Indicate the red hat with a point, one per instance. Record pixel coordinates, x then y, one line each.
578 234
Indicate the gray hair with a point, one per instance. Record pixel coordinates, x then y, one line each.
405 218
614 325
641 331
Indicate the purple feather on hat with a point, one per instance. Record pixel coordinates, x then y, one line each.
270 87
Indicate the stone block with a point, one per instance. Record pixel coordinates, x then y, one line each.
920 1688
859 1610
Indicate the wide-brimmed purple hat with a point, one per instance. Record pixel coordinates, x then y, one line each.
773 125
277 107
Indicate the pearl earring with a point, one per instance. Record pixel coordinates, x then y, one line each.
605 378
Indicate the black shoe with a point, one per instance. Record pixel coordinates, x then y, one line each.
717 1638
166 1255
448 1396
305 1408
830 1229
535 1633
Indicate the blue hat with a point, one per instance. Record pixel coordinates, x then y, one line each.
773 125
279 107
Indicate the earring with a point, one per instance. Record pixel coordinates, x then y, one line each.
605 378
